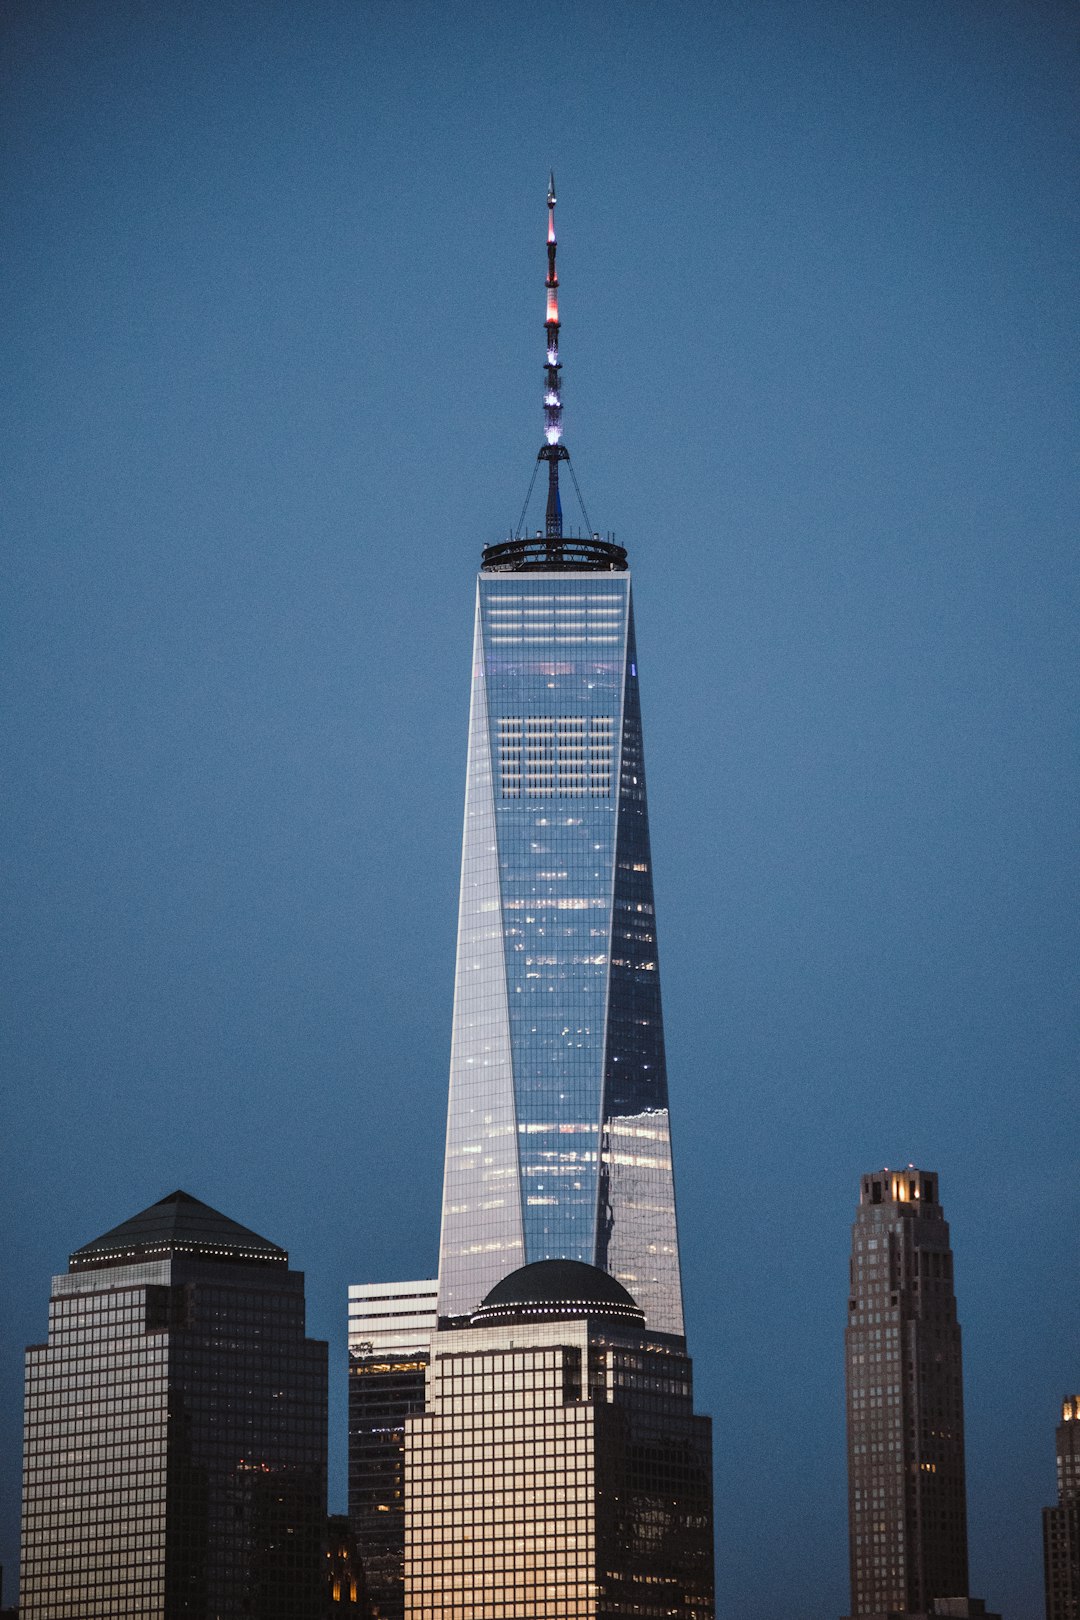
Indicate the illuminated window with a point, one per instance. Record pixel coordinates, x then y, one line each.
564 756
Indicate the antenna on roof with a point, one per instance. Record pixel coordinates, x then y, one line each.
553 450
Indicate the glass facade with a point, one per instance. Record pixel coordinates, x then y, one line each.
559 1472
558 1141
907 1507
175 1438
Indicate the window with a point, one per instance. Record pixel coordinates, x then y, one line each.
564 756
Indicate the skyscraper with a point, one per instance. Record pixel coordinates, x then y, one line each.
345 1589
1061 1524
907 1508
558 1469
558 1142
175 1433
390 1329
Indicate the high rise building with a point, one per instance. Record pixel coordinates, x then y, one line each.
345 1591
559 1469
390 1329
1061 1524
558 1142
175 1430
907 1509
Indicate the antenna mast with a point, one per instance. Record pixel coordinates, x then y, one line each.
553 451
550 550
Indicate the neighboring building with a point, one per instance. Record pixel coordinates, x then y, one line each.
558 1144
907 1509
390 1329
344 1571
958 1608
559 1468
1061 1524
175 1430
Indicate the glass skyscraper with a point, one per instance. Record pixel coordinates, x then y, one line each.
558 1143
557 1468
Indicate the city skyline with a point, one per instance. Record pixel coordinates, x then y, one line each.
274 309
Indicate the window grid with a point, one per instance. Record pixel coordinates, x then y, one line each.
556 756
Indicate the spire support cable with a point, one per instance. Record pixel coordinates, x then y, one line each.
577 492
528 497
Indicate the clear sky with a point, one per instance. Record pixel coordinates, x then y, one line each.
273 303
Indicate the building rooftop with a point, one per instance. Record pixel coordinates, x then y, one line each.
178 1224
560 1290
578 554
908 1187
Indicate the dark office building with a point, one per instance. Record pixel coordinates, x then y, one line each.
907 1509
1061 1524
175 1430
559 1470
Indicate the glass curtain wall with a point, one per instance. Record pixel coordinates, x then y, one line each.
557 1141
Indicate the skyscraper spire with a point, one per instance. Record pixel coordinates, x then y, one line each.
550 548
553 451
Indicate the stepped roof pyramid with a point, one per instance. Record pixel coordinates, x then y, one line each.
175 1225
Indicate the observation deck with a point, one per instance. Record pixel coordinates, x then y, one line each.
540 554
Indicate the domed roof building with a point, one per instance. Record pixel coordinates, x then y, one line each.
558 1291
558 1467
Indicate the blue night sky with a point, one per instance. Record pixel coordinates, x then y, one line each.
272 280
